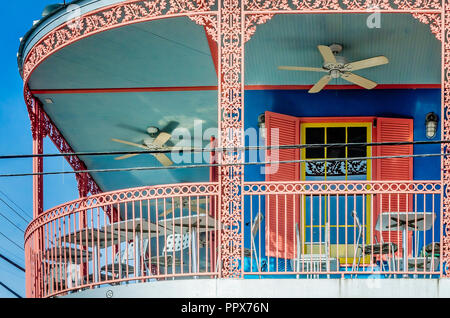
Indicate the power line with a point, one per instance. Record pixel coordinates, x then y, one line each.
12 263
12 241
10 290
15 211
13 202
217 165
12 223
247 148
19 258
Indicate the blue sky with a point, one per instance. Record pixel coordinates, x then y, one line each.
15 138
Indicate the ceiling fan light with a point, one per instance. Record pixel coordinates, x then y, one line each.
335 73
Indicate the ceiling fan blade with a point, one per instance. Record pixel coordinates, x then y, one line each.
130 143
133 128
165 161
200 211
359 65
171 207
320 84
327 54
301 68
162 138
171 126
126 156
165 213
359 80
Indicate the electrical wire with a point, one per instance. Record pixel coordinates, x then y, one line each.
15 211
23 231
216 165
12 263
19 258
12 241
13 202
247 148
10 290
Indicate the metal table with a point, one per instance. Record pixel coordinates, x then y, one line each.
94 238
405 221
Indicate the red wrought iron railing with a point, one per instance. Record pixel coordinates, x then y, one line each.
133 235
303 229
343 229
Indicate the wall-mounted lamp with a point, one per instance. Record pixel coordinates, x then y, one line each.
431 123
262 125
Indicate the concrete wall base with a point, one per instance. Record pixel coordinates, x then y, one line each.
276 288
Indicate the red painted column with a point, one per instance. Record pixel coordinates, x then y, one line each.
38 162
35 269
445 130
231 135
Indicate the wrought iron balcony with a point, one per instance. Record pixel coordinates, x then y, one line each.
288 229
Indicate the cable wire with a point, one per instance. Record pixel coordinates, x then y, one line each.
247 148
215 165
12 241
23 231
13 202
15 211
10 290
12 263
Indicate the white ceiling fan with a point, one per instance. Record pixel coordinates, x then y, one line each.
157 141
337 66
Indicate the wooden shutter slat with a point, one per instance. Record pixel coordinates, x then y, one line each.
394 169
280 212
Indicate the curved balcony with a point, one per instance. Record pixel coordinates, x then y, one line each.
351 229
123 236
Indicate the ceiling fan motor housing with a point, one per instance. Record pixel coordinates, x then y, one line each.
336 48
153 131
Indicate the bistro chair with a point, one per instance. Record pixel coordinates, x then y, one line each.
174 245
121 263
372 249
254 230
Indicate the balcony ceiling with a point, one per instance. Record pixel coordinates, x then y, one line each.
175 53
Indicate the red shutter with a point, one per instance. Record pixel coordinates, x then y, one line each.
282 210
394 169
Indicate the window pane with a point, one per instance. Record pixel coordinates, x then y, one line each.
335 135
315 136
357 135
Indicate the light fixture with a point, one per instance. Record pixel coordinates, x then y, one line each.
48 101
262 125
431 123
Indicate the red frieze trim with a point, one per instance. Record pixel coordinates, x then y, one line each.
261 11
120 14
86 183
341 5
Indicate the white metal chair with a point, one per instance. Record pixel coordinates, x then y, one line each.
174 244
372 249
315 262
252 251
121 263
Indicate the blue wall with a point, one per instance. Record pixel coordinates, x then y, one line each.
409 103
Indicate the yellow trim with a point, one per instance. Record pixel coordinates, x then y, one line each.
325 125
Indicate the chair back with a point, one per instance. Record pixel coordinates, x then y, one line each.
176 242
